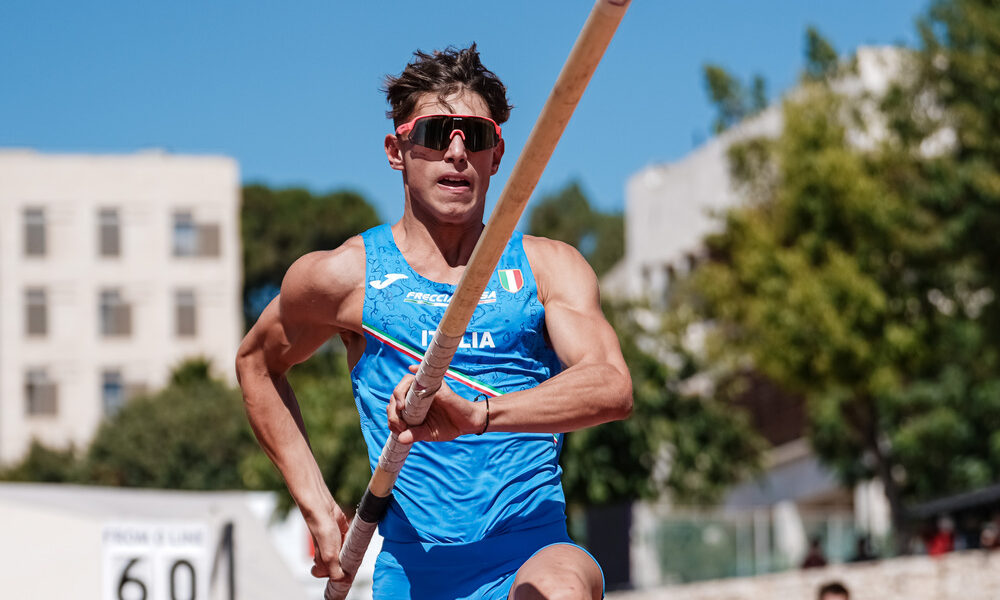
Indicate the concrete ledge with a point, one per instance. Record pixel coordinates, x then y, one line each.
969 575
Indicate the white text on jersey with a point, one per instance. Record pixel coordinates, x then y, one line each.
488 297
473 339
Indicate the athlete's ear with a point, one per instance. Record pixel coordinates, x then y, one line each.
497 155
394 152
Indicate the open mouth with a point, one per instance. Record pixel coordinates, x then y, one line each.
454 182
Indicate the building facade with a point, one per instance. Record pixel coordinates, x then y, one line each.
113 269
671 208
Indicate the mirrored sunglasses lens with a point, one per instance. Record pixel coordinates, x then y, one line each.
432 132
475 135
435 132
479 134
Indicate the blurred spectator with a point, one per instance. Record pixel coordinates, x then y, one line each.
833 591
863 550
814 558
942 539
989 538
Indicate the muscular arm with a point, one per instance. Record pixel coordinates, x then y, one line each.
317 298
595 386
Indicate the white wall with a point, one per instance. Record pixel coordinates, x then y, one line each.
146 188
670 208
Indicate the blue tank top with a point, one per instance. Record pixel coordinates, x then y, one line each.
475 486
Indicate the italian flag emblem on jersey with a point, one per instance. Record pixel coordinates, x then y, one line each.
511 279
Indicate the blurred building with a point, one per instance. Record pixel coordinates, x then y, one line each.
113 269
670 208
762 525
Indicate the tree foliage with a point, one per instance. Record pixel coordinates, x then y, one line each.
567 216
690 446
821 57
193 434
44 464
279 226
944 153
865 279
190 435
733 101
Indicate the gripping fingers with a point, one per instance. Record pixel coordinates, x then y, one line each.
327 543
323 568
396 403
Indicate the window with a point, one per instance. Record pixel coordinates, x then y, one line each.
108 232
185 235
208 240
36 322
40 393
34 232
185 313
112 391
116 314
194 239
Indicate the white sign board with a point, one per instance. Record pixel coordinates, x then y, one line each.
155 560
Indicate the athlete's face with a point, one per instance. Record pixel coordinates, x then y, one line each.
449 185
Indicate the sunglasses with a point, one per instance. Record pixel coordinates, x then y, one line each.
436 131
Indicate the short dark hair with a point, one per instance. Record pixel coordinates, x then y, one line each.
834 587
444 72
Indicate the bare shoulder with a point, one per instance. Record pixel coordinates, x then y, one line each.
559 269
325 285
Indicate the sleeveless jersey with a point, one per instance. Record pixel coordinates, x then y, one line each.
475 486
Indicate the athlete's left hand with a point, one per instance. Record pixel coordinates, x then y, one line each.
449 416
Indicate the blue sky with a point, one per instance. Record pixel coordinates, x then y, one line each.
291 89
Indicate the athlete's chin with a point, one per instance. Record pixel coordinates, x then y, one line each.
455 210
455 217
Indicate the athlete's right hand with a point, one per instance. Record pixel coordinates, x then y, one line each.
448 417
328 537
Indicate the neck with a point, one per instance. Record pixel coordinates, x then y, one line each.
453 242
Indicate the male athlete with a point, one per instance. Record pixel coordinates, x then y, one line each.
478 508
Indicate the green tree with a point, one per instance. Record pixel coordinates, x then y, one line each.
567 216
821 57
802 283
707 446
192 434
44 464
961 182
279 226
945 155
609 241
864 280
690 446
732 101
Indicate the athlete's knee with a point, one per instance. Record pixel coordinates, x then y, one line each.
557 585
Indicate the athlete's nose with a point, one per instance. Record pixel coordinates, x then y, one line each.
456 151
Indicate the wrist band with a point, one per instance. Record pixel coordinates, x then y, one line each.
487 424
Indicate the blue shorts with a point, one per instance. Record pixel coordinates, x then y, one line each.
482 570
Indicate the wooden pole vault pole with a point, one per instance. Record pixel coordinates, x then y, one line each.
572 81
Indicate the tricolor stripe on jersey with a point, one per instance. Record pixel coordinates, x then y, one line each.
417 355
